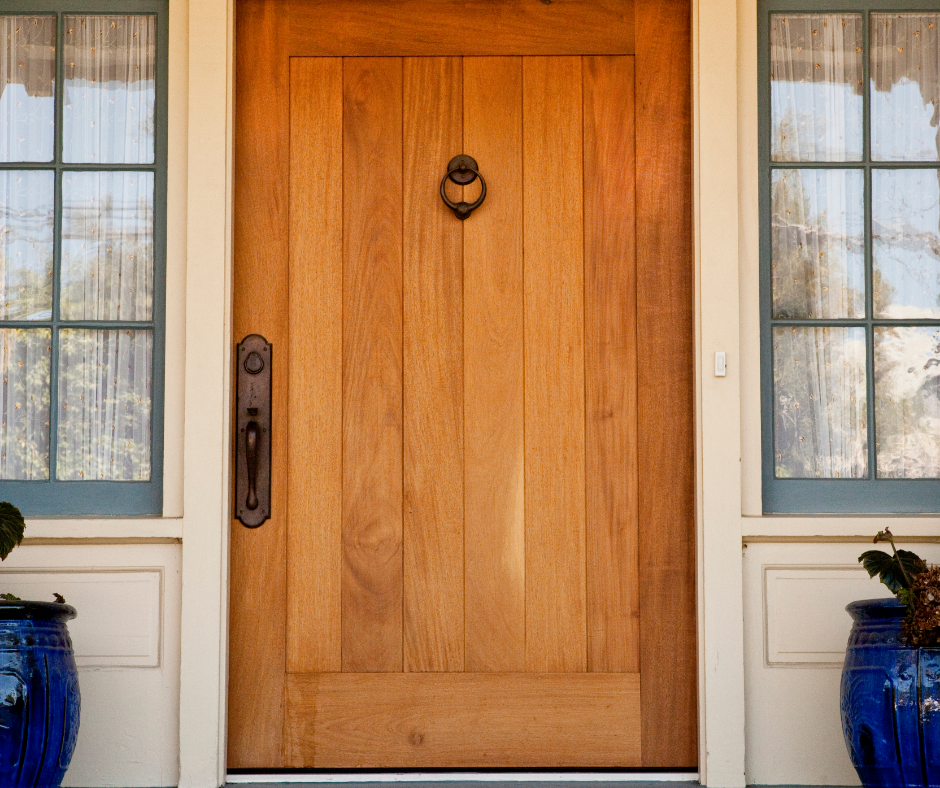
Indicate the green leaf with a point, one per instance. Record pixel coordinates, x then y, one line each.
10 598
12 526
59 598
888 567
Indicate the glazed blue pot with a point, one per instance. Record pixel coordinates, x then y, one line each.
39 699
890 700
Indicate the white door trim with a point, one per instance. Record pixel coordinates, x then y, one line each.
207 368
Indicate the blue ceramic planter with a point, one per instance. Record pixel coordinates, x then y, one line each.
890 700
39 699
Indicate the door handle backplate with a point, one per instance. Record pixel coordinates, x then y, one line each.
253 431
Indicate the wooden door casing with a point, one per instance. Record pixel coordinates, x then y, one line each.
303 580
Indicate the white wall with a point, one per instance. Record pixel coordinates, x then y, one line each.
799 572
124 574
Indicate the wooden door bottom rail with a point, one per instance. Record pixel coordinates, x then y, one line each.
463 720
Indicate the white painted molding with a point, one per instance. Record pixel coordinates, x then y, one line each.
206 27
115 528
718 419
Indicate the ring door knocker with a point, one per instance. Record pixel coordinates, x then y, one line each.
463 170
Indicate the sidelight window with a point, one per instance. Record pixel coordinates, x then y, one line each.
850 257
82 248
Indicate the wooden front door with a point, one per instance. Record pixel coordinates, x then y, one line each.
480 552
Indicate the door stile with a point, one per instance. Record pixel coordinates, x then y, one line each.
666 383
257 571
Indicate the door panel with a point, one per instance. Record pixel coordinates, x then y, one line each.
494 399
315 489
372 365
610 354
556 636
463 538
433 373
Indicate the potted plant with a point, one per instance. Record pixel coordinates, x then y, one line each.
39 698
891 677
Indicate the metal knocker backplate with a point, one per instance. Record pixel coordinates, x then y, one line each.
463 170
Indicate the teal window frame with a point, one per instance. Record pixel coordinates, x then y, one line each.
53 497
829 496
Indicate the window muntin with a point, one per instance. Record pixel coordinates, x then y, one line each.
82 244
850 268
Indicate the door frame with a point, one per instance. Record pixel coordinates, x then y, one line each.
207 78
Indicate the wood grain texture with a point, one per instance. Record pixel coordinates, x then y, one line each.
613 605
433 720
554 365
315 398
433 371
665 331
258 577
461 27
372 364
494 409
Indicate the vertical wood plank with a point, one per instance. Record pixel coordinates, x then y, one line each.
258 577
554 365
610 365
372 364
493 372
665 331
433 372
315 397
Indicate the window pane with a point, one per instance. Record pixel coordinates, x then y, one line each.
27 209
820 417
905 81
110 89
24 403
105 400
906 243
907 402
816 87
107 246
818 243
27 77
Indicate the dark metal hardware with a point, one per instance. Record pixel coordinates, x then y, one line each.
463 170
253 431
251 452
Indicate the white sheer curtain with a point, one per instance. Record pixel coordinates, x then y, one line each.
816 87
818 246
107 246
104 404
110 72
818 243
27 209
27 79
820 402
24 403
905 76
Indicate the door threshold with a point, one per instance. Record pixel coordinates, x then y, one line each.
472 777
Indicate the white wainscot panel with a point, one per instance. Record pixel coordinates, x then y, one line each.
119 618
799 603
